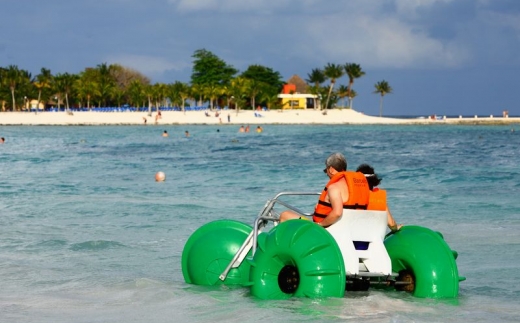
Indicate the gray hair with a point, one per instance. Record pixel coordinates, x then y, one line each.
337 161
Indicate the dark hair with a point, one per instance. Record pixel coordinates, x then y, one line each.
372 178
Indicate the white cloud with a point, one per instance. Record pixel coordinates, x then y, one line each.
383 42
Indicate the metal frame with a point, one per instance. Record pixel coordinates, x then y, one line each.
266 214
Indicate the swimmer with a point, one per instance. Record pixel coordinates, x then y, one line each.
165 133
2 140
186 133
160 177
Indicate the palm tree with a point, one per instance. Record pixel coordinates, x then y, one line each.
343 93
118 95
254 88
87 87
197 91
382 87
316 77
351 97
136 93
42 82
226 91
353 71
269 99
64 84
13 77
172 93
184 91
211 91
105 82
332 72
148 91
238 91
160 92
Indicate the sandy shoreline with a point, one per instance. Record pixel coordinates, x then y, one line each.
335 116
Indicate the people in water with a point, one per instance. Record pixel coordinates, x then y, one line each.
186 133
377 200
337 193
165 133
241 129
2 140
259 129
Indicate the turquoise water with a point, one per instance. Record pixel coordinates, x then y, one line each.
87 235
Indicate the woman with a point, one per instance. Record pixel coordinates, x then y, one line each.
377 196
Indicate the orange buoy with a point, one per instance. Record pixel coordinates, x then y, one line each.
160 177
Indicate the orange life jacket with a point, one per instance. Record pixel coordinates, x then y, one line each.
377 200
358 194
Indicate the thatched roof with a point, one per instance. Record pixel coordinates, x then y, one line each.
301 85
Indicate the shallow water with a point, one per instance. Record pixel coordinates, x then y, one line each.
87 235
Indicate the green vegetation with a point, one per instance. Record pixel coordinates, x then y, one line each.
382 88
212 81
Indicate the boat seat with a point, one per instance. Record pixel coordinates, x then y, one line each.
360 235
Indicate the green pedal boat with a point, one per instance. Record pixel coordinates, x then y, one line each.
298 258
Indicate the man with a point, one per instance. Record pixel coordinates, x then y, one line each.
2 140
345 190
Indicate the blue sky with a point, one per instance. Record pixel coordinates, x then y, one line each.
445 57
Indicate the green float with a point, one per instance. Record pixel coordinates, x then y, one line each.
210 249
297 258
422 257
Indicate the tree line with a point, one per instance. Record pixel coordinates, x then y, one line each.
213 81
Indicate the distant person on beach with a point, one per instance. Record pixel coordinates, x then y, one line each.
228 118
165 133
377 200
144 120
337 194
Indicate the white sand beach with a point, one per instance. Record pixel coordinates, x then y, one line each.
244 117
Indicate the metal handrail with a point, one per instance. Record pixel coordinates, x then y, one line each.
261 221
